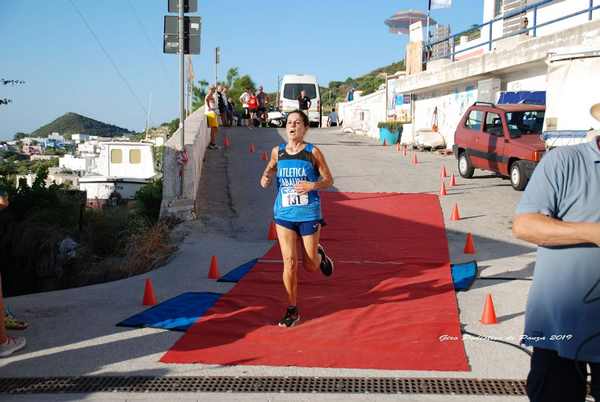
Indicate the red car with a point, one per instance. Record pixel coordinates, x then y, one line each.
505 139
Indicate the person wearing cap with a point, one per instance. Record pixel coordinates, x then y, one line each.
559 212
8 344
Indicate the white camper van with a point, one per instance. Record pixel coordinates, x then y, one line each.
291 85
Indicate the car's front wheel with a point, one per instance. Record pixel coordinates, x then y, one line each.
518 177
465 167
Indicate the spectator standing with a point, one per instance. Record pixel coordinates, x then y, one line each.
304 102
252 107
221 105
559 212
210 109
332 119
8 344
350 95
244 98
230 109
263 102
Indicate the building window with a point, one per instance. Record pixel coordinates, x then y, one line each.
497 8
116 156
135 156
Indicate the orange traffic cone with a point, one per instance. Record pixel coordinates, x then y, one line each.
452 181
384 143
469 246
213 272
397 147
405 150
443 172
263 156
443 191
414 159
455 214
489 314
226 142
252 148
149 297
272 232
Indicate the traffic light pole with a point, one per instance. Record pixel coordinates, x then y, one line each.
181 91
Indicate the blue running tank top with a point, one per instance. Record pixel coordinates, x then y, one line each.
291 169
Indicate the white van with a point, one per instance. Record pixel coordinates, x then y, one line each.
291 85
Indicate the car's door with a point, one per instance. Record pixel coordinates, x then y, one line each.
474 146
493 137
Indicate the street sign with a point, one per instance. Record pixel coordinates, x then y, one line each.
191 35
189 6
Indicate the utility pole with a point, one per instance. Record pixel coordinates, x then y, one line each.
181 90
217 61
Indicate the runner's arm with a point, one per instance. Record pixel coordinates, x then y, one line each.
326 180
265 179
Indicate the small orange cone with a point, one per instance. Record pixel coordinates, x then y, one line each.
252 148
226 142
452 181
397 147
414 159
443 191
272 232
263 156
384 143
405 150
213 272
149 297
469 246
455 214
489 313
443 172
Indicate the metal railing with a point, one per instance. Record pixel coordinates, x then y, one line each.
452 38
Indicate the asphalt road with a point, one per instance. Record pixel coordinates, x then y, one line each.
72 332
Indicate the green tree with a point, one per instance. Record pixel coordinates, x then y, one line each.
198 94
232 74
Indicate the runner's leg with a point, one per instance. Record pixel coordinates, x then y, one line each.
287 242
312 258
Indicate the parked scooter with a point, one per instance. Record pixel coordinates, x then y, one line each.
275 118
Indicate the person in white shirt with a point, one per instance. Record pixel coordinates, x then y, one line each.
244 98
332 119
210 110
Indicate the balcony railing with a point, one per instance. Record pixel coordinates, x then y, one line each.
489 42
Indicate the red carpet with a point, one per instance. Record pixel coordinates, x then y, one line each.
390 299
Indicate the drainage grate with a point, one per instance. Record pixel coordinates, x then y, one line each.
326 385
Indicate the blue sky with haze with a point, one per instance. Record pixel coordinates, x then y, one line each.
46 44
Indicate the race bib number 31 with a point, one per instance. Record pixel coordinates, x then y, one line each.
290 198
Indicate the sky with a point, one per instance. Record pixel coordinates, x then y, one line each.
47 44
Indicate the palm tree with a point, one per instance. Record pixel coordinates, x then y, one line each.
232 74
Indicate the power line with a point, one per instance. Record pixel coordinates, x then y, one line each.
110 59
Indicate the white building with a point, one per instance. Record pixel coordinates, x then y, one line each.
121 167
77 164
79 138
56 137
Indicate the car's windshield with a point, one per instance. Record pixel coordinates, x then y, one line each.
525 122
292 91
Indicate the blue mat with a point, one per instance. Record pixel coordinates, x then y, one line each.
238 273
463 275
176 314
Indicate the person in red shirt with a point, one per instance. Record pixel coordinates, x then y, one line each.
252 107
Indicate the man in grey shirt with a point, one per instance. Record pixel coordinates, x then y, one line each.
560 213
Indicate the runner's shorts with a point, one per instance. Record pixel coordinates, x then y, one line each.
211 118
302 228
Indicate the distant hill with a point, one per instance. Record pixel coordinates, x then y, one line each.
73 123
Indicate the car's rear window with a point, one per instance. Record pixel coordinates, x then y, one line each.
292 91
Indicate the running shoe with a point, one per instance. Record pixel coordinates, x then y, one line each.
326 262
12 345
290 318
